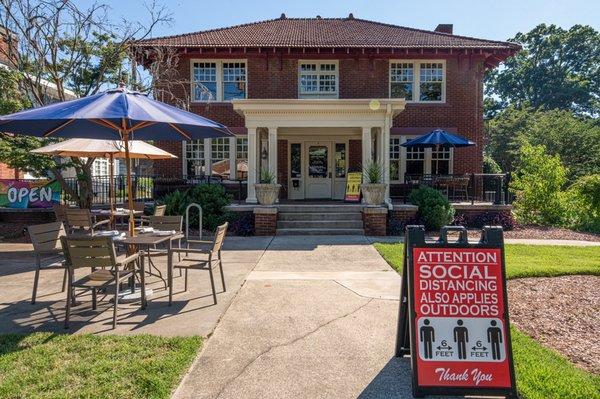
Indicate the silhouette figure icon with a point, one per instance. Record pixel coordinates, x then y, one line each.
494 337
461 337
427 336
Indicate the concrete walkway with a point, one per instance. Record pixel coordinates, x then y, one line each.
316 318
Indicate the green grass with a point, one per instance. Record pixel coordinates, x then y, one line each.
544 374
526 260
541 372
46 365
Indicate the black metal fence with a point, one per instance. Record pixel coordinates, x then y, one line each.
149 188
467 188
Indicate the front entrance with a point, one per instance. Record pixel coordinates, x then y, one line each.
317 169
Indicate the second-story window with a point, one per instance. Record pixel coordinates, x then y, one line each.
418 81
318 79
218 80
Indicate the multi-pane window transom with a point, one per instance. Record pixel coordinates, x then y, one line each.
242 148
220 149
419 81
318 79
219 80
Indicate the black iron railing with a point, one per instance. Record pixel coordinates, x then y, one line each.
468 188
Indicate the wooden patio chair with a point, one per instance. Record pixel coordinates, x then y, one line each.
210 260
60 212
82 219
48 251
99 255
459 186
159 210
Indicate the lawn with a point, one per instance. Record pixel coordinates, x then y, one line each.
46 365
541 372
527 260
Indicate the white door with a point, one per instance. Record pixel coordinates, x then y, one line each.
318 174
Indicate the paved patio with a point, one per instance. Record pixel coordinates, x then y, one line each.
192 312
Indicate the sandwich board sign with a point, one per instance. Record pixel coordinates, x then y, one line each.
353 181
453 317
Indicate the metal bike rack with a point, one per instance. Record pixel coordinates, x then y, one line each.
187 221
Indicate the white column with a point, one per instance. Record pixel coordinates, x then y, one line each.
252 164
366 148
208 157
273 151
232 158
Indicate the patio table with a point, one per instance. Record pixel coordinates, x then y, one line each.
115 214
148 240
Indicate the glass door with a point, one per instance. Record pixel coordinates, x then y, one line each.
318 176
341 168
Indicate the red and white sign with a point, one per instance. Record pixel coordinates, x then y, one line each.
460 330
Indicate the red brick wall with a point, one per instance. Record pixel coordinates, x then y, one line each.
9 173
360 78
282 167
354 155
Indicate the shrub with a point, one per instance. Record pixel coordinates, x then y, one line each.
537 184
242 224
211 197
490 166
490 218
397 227
435 210
584 196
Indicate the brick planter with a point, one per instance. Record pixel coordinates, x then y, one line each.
265 221
375 220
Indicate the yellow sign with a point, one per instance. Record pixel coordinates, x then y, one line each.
353 181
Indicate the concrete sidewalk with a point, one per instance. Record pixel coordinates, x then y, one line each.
316 318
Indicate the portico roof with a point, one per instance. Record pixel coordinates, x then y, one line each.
318 112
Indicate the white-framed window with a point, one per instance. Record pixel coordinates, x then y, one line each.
318 79
395 158
418 80
194 158
415 161
440 161
219 149
241 155
100 167
218 80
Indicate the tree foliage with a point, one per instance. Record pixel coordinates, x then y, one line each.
557 69
576 139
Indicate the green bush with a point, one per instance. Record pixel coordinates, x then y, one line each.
211 197
537 184
490 166
584 195
435 210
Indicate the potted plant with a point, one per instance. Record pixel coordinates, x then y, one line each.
267 191
373 189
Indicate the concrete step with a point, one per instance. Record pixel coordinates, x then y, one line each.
320 224
319 208
312 232
295 216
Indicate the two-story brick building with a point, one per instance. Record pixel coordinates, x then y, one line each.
312 98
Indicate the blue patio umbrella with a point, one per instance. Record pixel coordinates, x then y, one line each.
116 114
438 138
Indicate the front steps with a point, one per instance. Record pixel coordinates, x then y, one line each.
342 219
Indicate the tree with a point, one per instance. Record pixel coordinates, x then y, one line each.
576 139
557 69
537 184
60 48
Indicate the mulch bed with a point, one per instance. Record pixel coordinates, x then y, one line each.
562 313
550 233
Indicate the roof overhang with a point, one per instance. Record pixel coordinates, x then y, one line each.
318 112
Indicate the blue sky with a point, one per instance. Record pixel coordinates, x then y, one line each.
490 19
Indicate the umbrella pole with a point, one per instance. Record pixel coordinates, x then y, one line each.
111 189
129 188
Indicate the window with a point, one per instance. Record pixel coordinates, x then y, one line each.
218 80
194 158
415 161
418 81
100 167
440 161
431 78
395 158
340 160
296 160
401 80
241 156
318 79
220 149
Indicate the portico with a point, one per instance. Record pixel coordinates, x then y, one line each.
311 144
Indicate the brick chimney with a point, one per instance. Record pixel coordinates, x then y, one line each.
444 28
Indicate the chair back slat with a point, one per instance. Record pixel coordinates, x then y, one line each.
139 206
46 237
219 237
166 222
60 212
79 218
89 251
160 210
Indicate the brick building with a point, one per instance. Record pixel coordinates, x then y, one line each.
313 98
